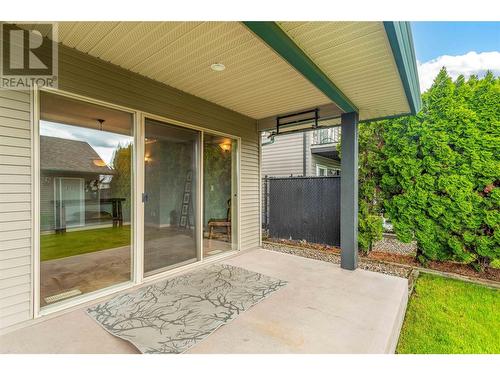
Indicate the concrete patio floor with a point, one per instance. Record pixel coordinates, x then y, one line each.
323 309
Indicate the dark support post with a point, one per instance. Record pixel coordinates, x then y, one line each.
349 192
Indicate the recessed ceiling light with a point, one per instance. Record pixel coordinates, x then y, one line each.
218 67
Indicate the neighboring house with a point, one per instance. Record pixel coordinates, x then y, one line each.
70 184
195 83
312 153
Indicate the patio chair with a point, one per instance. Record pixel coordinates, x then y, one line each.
221 223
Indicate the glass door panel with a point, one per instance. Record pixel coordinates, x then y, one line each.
220 194
171 166
85 197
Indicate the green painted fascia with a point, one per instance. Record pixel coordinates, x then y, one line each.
280 42
401 41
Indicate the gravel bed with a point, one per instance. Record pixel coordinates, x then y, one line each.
390 244
329 256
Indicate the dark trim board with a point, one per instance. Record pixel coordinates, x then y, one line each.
401 41
278 40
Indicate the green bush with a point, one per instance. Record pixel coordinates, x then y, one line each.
370 196
440 173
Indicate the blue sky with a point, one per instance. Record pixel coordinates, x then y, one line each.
434 39
463 47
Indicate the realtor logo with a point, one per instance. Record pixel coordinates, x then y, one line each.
28 55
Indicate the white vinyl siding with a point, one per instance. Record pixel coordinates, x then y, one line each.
283 157
15 208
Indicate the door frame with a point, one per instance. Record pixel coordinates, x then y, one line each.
137 208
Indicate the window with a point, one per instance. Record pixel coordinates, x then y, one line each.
321 170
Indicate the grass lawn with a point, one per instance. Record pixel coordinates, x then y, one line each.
54 246
451 316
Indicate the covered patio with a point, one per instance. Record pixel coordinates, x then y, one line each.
323 309
179 99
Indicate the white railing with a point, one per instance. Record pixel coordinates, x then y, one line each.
325 136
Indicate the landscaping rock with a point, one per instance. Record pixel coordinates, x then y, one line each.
333 257
390 244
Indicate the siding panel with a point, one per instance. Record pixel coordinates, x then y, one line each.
15 206
15 179
284 156
15 244
16 253
13 272
14 235
15 142
14 132
15 291
15 160
14 309
10 103
17 317
15 225
15 123
15 198
14 281
13 216
21 96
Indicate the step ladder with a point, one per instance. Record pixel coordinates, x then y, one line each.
185 218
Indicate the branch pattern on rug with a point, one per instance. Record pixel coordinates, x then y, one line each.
175 314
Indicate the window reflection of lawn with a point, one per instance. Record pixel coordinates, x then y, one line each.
55 246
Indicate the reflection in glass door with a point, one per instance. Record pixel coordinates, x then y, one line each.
170 196
85 202
219 194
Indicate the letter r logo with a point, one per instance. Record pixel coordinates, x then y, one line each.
25 51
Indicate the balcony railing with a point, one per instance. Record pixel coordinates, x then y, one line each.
325 136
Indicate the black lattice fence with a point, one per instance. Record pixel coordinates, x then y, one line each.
302 208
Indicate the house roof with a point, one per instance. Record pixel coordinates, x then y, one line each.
59 154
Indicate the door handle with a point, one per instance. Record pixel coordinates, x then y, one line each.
145 197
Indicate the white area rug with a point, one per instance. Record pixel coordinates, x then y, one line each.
173 315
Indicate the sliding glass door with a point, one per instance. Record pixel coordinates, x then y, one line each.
171 168
85 199
88 169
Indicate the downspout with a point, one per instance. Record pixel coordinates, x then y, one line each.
304 155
